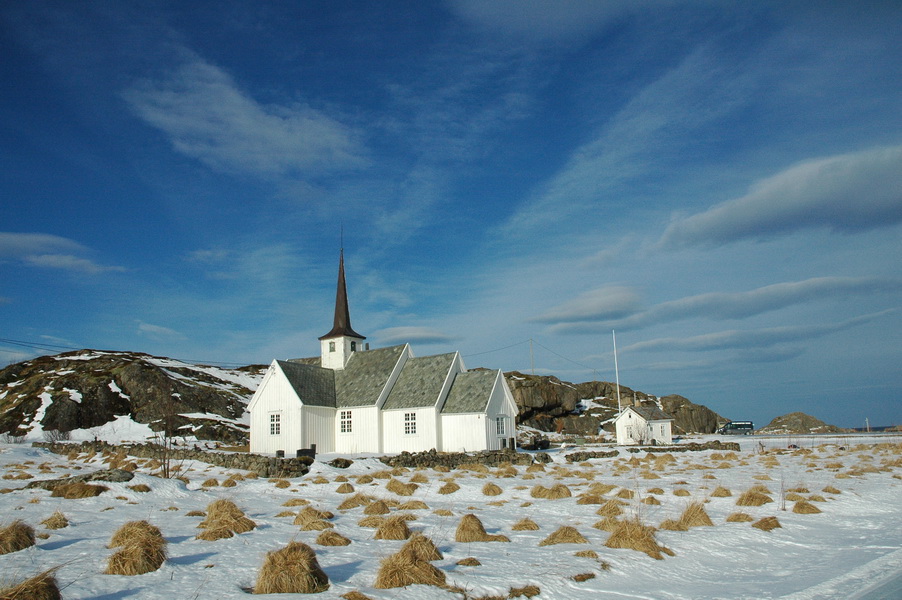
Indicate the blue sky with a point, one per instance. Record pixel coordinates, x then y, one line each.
719 182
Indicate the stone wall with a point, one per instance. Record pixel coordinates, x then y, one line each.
452 460
690 447
264 466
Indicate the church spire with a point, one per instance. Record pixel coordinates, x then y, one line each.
341 326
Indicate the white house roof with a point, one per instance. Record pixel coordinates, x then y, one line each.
420 382
470 392
649 413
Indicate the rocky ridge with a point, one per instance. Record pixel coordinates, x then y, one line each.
798 423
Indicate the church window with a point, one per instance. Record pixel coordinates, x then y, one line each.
499 425
410 423
353 346
331 346
345 421
275 424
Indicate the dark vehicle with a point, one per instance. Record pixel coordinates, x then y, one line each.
737 428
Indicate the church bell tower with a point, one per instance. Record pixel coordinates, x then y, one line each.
337 346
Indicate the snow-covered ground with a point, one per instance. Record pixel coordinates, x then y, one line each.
854 544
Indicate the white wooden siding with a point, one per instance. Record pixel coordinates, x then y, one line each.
464 432
364 436
394 438
275 395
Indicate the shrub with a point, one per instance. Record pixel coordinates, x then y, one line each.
291 570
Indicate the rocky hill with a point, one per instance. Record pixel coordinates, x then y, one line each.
89 388
549 404
798 422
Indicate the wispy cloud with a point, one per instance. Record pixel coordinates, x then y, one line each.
729 305
847 192
49 251
208 117
158 332
604 303
751 339
414 335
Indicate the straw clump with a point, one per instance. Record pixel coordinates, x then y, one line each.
525 524
330 537
490 489
16 536
471 529
40 587
393 528
555 492
632 534
739 517
142 549
804 507
400 488
422 547
379 507
224 519
693 516
56 521
406 568
611 508
291 570
74 491
767 524
753 497
449 488
721 492
564 535
355 501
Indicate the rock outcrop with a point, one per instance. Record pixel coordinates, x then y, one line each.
800 423
88 388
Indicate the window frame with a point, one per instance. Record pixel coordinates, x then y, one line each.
275 423
410 423
500 428
345 421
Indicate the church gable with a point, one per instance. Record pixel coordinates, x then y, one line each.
470 392
421 382
363 380
314 386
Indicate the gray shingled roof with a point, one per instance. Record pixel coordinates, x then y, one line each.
470 392
365 376
652 413
314 385
420 382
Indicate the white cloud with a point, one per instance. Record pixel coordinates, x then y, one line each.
737 305
847 192
750 339
158 332
49 251
208 117
604 303
421 335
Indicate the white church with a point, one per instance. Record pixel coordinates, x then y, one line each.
351 399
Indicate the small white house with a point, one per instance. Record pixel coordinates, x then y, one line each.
644 425
352 399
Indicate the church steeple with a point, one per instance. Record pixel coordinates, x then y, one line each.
337 345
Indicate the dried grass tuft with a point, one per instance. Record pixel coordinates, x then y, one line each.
632 534
140 487
16 536
564 535
767 524
831 490
332 538
142 549
586 554
393 528
296 502
40 587
651 501
355 501
803 507
626 494
471 529
74 491
448 488
405 568
400 488
291 570
611 508
413 505
721 492
422 547
555 492
753 497
379 507
490 489
739 517
345 488
681 492
355 595
362 479
223 520
371 522
525 524
55 521
419 478
469 562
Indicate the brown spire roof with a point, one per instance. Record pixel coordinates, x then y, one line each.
342 324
